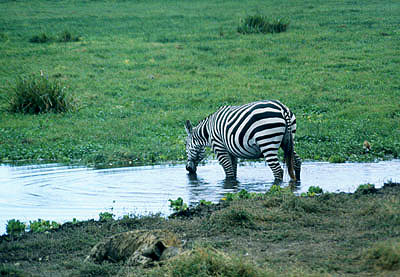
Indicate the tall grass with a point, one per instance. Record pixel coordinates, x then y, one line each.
41 38
67 36
383 256
261 24
39 94
207 261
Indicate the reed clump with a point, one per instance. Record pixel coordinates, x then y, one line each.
39 94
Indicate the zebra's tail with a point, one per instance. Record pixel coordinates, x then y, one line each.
288 147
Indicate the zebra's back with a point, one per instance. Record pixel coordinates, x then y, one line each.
249 130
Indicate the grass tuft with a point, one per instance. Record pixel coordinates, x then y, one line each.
383 256
38 94
232 217
41 38
6 270
260 24
3 37
67 36
207 261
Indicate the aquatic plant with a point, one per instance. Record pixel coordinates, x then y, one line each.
278 190
242 194
15 227
106 216
366 189
178 205
204 202
40 225
75 221
312 191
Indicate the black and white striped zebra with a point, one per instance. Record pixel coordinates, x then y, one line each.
250 131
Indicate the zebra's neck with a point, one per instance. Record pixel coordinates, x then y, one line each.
201 133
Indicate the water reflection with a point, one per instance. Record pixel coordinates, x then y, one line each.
60 193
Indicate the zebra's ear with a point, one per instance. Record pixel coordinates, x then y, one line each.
188 127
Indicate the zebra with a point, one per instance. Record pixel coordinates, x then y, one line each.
250 131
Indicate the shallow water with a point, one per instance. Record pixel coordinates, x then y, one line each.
61 193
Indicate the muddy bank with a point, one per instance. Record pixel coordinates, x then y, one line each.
274 234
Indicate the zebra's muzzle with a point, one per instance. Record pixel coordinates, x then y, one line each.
191 167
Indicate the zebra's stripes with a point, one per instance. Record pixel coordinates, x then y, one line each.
249 131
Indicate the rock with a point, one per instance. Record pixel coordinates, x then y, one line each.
137 247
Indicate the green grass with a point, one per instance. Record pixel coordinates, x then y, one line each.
141 68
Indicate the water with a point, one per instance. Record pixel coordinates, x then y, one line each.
61 193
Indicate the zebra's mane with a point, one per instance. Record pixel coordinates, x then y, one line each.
208 116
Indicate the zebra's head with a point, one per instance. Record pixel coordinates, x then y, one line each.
194 150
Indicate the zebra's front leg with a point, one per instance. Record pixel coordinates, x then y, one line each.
228 163
271 158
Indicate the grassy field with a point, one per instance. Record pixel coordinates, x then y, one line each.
141 68
273 234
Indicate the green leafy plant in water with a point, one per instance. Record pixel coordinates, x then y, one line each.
39 94
178 205
106 216
243 194
40 225
204 202
15 227
313 191
366 189
278 190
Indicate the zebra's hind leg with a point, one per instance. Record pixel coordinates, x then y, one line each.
234 164
271 158
228 163
297 166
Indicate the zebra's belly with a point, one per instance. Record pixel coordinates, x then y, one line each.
252 151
